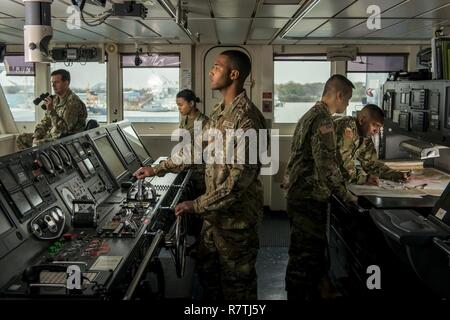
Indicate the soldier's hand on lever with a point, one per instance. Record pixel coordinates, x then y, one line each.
48 103
372 180
143 172
406 176
185 207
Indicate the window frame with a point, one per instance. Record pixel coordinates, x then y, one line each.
24 123
288 126
367 54
377 54
87 63
165 126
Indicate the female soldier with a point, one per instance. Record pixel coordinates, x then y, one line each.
187 105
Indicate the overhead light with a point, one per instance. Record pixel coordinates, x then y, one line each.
303 11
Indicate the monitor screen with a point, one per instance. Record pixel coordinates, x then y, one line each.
109 156
5 225
33 195
7 179
79 148
121 144
135 143
21 202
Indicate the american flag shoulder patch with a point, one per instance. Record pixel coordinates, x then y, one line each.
326 128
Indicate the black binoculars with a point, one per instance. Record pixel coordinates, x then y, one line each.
41 98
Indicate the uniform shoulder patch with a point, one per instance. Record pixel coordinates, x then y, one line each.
326 128
228 124
348 133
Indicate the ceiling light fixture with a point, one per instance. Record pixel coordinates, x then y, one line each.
301 13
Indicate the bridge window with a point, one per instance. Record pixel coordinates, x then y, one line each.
298 84
150 86
368 73
17 81
88 81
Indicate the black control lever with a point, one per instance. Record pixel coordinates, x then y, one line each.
129 183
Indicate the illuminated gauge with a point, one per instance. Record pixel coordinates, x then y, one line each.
55 216
59 212
56 159
46 162
65 156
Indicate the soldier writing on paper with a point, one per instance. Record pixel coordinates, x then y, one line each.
354 141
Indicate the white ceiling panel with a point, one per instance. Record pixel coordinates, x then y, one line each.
442 12
361 30
16 23
10 38
81 33
283 41
232 31
406 27
269 23
414 8
11 30
305 26
328 8
198 9
65 37
206 28
359 8
263 33
250 41
133 27
233 8
276 11
11 8
335 26
280 2
166 28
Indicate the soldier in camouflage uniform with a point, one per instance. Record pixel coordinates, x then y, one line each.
65 114
186 101
232 206
354 141
312 175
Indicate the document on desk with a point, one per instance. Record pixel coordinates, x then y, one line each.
364 190
424 181
433 181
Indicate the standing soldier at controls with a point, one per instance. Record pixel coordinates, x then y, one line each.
232 206
312 176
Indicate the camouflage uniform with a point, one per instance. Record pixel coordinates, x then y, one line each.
68 116
354 147
198 170
312 175
232 208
